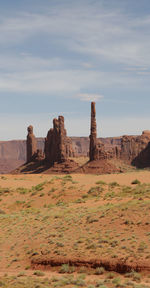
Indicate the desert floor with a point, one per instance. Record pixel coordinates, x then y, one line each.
75 230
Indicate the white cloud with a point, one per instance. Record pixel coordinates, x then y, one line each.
88 29
89 97
64 82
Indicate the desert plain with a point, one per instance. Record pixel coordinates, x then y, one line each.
75 230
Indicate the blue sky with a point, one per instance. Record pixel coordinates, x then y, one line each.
58 55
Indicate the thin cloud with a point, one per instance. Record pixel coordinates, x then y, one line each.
85 29
89 97
65 82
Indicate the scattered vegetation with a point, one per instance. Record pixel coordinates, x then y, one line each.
52 220
136 181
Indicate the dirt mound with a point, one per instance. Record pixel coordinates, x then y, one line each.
98 167
65 167
69 166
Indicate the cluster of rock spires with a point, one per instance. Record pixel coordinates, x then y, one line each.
58 146
58 149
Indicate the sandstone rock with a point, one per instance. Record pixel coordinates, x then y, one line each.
93 153
142 160
39 155
58 146
31 144
102 166
97 150
132 146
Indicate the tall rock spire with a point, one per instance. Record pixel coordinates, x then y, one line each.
93 136
31 144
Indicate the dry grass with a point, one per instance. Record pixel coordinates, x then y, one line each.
74 217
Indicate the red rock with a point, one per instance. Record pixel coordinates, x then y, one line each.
132 146
58 147
93 153
97 149
31 144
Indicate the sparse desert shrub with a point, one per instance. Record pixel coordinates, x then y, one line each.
101 285
63 281
42 194
91 219
95 191
51 191
3 177
101 182
84 196
18 202
136 181
99 271
2 212
116 281
39 273
21 274
67 178
82 270
127 222
66 268
110 275
79 201
61 203
39 187
54 279
134 275
141 189
113 184
59 244
4 191
79 282
126 189
142 246
22 190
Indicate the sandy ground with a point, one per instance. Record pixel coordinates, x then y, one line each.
62 219
28 181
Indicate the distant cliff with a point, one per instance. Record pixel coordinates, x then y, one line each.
13 153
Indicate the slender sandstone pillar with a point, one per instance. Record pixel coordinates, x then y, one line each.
31 144
93 136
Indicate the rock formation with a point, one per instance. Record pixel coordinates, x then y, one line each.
132 146
97 150
142 160
93 153
58 146
99 158
31 144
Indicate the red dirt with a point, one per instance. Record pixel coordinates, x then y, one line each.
118 266
98 167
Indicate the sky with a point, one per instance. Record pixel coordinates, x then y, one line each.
56 56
